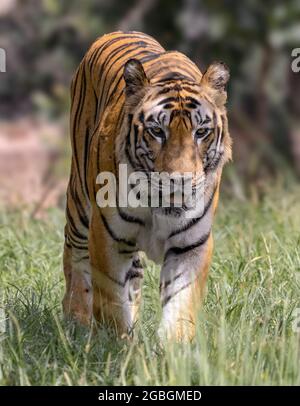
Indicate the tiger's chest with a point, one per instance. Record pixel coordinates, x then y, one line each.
152 238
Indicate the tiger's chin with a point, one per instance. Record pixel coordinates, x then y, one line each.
178 205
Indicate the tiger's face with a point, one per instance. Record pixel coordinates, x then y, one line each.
179 127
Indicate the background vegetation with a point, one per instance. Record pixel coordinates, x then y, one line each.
45 40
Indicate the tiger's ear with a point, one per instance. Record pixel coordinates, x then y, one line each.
215 79
136 81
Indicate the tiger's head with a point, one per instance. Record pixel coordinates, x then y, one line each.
180 126
177 125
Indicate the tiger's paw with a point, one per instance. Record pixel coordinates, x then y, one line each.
73 311
180 331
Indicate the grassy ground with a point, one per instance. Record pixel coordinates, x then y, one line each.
245 333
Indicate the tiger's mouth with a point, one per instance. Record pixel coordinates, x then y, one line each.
172 194
169 211
173 207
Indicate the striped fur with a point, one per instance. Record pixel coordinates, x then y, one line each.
135 103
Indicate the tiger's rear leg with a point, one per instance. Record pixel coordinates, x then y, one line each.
78 298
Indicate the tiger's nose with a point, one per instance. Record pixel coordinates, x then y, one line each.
179 162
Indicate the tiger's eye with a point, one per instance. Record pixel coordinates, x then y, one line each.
157 130
201 131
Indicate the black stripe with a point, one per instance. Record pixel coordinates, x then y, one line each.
98 150
173 76
168 100
158 73
109 97
126 252
131 274
189 89
175 113
137 156
149 58
159 116
116 281
96 106
80 104
124 216
78 247
130 219
77 114
142 117
85 257
214 162
73 226
127 148
136 134
197 219
109 59
68 245
169 297
211 141
73 237
84 220
164 90
86 156
150 118
185 113
114 236
105 45
192 99
223 127
140 45
142 154
165 284
184 250
144 139
206 120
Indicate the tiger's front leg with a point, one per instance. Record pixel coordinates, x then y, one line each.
117 275
183 278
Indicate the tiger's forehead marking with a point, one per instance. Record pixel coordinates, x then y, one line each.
162 108
178 87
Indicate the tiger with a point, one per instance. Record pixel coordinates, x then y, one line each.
136 104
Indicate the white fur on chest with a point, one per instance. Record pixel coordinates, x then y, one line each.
152 238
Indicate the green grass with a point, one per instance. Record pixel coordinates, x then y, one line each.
244 333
